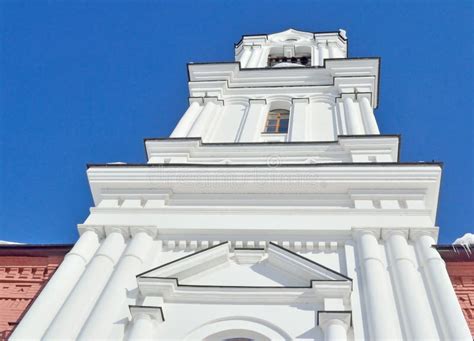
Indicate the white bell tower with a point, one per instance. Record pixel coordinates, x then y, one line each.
275 211
305 76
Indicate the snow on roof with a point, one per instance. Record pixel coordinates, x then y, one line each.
467 242
467 239
9 243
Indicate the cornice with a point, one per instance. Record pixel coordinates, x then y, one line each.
140 181
343 149
171 291
360 74
248 38
339 165
282 178
230 210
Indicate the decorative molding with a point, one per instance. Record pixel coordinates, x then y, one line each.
415 233
323 282
345 317
155 313
128 231
386 233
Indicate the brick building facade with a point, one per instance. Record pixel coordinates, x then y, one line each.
460 264
24 270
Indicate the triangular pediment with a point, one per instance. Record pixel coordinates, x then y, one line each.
291 35
220 265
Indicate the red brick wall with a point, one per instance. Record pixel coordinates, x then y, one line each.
462 277
24 270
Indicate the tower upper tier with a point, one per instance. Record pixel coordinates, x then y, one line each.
283 87
290 48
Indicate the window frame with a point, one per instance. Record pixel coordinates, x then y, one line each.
276 115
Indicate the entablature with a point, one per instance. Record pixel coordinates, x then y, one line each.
294 36
351 75
345 187
364 148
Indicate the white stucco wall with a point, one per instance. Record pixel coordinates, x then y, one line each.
344 202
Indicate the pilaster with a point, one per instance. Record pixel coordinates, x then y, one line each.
254 119
446 305
144 322
334 324
416 313
380 313
299 117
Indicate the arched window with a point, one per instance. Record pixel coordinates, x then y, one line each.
286 56
277 121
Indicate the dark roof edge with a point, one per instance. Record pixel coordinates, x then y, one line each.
283 68
450 247
35 246
171 165
338 32
271 143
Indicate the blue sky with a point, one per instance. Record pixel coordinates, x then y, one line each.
85 81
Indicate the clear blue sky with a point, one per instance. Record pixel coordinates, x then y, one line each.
85 81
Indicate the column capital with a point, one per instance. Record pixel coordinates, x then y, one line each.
98 231
416 233
123 230
198 100
387 233
147 312
247 47
152 231
300 100
343 318
257 101
364 96
214 100
351 95
357 231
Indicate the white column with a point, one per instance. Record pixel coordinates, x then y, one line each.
341 128
298 119
443 296
263 61
334 324
113 299
315 55
368 116
353 119
323 52
255 57
415 309
380 312
47 304
199 127
332 47
75 310
245 56
210 129
253 126
335 330
186 122
144 322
